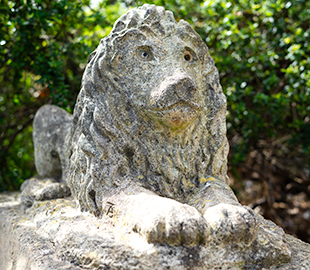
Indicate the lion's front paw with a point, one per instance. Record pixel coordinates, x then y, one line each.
163 220
232 223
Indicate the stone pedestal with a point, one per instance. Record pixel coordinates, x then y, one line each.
56 235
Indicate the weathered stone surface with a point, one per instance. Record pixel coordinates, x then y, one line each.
55 234
22 247
146 154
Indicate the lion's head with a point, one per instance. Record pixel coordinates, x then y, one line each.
150 110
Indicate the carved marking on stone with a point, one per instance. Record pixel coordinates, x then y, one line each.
110 210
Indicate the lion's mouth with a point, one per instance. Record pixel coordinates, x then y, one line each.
177 115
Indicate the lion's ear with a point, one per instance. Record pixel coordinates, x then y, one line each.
91 56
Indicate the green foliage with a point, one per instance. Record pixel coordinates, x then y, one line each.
261 49
44 46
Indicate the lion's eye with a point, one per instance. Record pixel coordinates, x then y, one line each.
188 56
145 54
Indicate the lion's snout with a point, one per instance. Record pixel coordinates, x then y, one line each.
184 88
175 103
175 90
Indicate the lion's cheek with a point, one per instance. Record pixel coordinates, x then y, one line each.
176 118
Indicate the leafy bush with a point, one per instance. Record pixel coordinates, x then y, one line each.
43 48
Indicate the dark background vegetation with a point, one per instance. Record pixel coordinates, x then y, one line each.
261 48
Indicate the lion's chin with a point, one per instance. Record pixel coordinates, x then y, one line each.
177 118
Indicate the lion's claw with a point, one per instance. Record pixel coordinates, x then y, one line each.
177 226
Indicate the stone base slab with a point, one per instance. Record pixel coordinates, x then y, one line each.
56 235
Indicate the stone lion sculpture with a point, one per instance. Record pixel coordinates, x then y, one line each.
146 146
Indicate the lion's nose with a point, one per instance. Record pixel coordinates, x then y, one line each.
184 88
178 87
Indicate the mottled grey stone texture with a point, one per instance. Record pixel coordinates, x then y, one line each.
146 153
55 234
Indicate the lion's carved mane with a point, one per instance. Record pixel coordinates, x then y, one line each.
111 141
